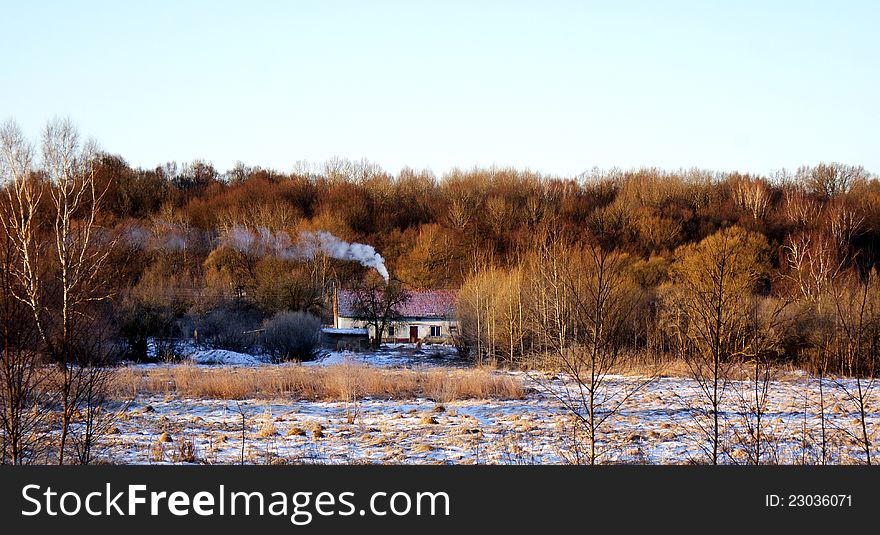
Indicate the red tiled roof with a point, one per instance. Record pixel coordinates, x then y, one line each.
421 303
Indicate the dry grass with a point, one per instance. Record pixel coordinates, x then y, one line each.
267 430
680 368
185 452
317 431
636 364
331 383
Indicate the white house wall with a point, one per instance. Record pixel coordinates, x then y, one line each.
401 328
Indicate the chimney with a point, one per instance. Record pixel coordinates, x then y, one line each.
335 306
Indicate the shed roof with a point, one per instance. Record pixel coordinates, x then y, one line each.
348 331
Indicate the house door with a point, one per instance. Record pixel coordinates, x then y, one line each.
413 334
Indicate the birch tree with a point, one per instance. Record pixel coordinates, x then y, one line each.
21 379
61 259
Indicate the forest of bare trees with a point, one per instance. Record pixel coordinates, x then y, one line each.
104 262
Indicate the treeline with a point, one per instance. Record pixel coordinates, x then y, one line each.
432 230
163 270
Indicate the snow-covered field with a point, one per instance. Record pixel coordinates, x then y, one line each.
663 422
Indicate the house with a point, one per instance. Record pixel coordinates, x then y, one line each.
426 316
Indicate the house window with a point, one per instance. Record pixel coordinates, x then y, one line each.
391 330
435 330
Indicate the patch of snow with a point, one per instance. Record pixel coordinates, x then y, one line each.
224 357
333 358
395 356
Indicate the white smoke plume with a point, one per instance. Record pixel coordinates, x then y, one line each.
162 236
166 236
264 242
333 247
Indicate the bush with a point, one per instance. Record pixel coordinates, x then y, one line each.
139 322
292 335
229 327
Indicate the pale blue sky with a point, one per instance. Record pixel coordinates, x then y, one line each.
558 87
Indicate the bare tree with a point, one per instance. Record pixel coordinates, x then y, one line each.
799 206
491 311
243 413
377 304
830 179
813 263
21 378
845 223
715 279
820 373
857 304
92 384
594 298
20 373
765 320
59 269
752 195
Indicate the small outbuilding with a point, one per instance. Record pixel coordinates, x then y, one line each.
345 339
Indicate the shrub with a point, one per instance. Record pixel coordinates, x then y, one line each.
292 335
232 328
139 322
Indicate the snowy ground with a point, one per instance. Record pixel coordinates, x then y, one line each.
662 422
397 356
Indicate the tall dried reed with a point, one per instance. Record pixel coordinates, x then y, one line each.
345 382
